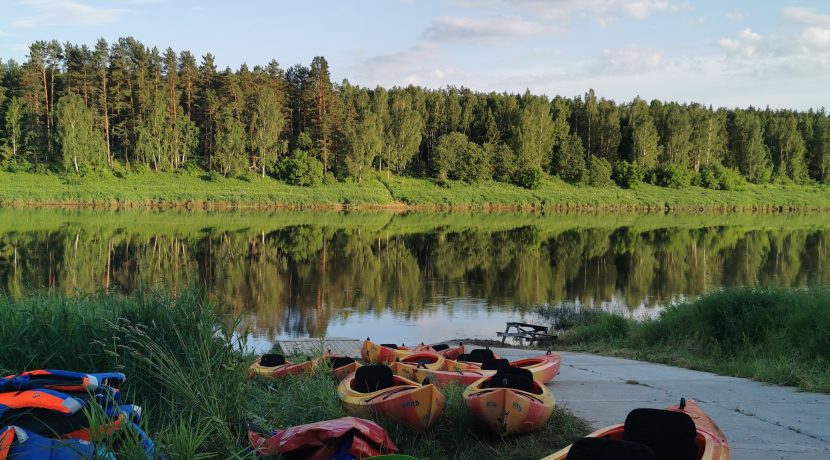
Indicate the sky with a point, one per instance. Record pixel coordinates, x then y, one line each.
731 53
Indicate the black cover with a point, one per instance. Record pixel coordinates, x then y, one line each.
481 355
368 379
389 345
440 346
609 449
271 360
495 364
671 435
340 361
513 377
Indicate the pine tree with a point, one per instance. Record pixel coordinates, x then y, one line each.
746 141
100 65
319 99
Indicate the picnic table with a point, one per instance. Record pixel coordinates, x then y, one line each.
525 331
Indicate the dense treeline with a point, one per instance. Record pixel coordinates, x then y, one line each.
125 107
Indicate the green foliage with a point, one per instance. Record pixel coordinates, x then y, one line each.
718 177
569 160
599 172
644 139
529 178
300 168
264 130
230 158
673 176
746 142
458 158
627 175
745 332
81 144
535 135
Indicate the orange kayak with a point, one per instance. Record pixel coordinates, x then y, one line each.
275 366
374 390
510 402
340 366
442 349
424 360
544 369
386 353
682 431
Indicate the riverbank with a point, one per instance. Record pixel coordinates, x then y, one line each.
186 368
777 336
198 190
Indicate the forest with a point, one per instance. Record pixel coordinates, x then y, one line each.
123 107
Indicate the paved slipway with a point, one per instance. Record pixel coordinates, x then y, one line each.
760 421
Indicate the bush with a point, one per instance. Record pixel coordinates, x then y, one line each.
627 175
717 177
599 172
673 176
300 168
529 178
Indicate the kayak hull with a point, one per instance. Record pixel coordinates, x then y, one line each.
506 411
407 402
544 369
711 443
257 370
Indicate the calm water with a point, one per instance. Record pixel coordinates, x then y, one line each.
412 277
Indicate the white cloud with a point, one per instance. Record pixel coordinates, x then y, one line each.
66 13
630 59
478 30
736 16
802 15
603 12
748 35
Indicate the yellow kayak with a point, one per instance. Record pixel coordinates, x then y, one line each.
510 401
385 353
374 390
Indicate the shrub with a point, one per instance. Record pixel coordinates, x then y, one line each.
627 175
673 176
718 177
300 168
529 178
599 172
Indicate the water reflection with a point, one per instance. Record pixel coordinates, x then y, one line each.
407 277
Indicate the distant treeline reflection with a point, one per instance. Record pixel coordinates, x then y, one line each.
294 279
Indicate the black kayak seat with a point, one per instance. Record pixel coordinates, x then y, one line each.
481 355
340 361
389 345
441 346
368 379
495 364
609 449
512 377
271 360
670 434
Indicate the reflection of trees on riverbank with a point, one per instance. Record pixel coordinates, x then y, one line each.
296 279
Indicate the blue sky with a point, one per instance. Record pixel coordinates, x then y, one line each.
724 53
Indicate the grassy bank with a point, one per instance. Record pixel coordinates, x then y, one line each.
779 336
189 375
202 191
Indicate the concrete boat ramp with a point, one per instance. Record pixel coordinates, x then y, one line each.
760 421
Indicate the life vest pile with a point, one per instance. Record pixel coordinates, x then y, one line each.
44 414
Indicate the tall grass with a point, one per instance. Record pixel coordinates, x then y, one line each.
183 369
780 336
187 371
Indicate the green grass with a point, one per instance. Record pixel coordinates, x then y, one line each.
198 190
779 336
185 368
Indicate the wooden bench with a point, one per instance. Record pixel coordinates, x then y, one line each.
525 331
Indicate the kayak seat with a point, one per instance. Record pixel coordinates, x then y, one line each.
340 361
609 449
441 346
481 355
670 434
465 357
389 345
271 360
495 364
513 377
368 379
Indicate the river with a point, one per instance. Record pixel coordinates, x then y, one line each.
408 277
